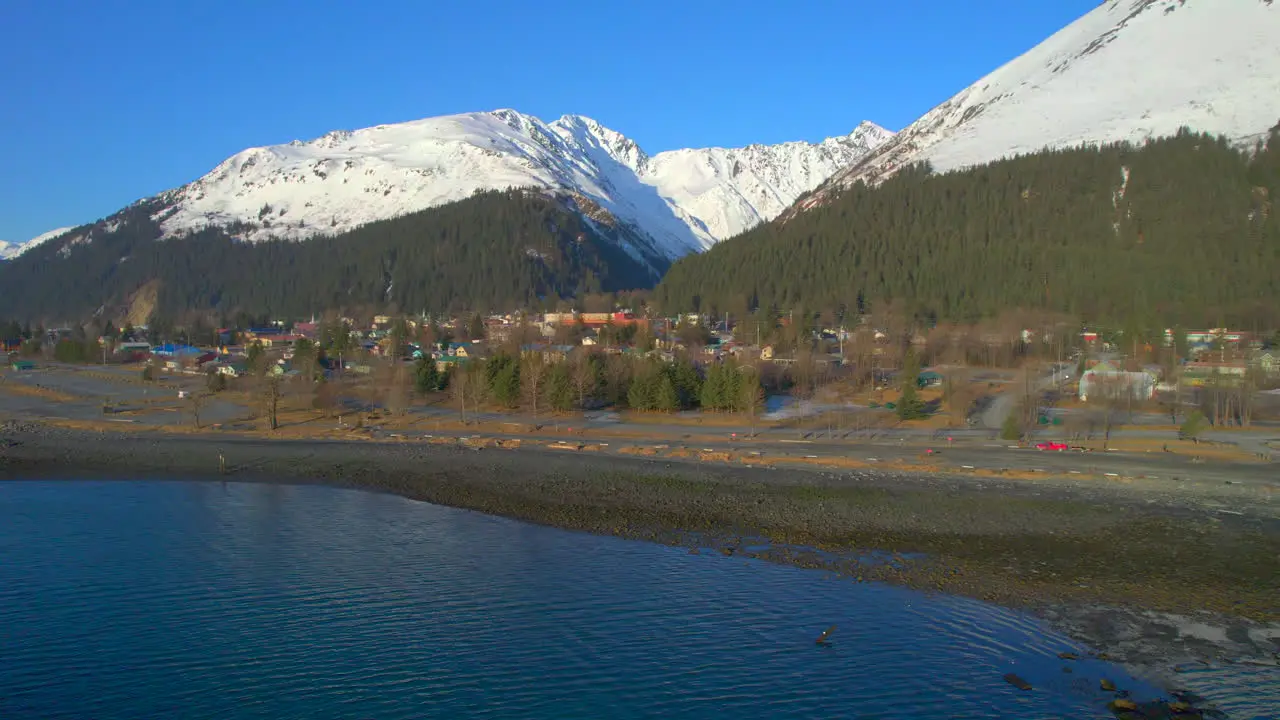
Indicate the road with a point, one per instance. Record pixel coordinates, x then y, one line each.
979 447
994 415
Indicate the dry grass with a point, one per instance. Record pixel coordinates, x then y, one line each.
634 450
38 392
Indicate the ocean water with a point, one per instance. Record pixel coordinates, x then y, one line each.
207 600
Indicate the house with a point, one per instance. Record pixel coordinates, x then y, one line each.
1102 366
176 350
1206 337
459 349
1209 368
766 352
445 362
234 369
549 353
1268 362
929 378
1116 384
281 340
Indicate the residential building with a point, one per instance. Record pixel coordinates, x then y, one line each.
929 378
1268 362
1116 384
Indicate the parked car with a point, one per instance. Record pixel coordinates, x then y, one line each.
1060 447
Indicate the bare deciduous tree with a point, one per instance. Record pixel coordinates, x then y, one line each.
394 379
195 402
270 391
532 373
586 376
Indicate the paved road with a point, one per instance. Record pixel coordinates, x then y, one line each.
979 446
994 415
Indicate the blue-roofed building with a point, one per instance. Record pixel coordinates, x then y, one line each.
176 350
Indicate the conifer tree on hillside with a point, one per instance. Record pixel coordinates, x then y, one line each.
495 250
1178 229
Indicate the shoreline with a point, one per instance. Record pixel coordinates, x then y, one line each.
1103 565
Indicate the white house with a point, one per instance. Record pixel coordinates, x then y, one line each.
1115 384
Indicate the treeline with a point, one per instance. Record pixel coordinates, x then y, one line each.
583 380
495 250
1178 229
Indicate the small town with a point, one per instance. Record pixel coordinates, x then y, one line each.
1051 385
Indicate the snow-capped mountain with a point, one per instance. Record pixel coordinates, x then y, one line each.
679 201
1126 71
10 250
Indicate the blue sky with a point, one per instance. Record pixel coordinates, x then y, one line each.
104 102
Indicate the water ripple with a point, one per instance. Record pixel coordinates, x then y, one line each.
189 600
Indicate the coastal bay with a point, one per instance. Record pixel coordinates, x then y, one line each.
1102 561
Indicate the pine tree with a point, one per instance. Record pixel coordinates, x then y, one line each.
475 328
686 381
504 384
642 393
560 388
713 394
667 399
426 377
910 407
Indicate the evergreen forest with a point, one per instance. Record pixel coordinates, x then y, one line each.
496 250
1180 229
1176 230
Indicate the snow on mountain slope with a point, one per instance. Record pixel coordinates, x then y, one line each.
680 201
10 250
1128 70
730 191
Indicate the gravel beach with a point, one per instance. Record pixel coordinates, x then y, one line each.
1103 563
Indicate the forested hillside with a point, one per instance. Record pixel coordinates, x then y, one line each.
1179 229
495 250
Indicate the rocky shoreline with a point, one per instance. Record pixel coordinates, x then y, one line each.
1106 566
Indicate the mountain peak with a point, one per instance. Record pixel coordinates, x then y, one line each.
1126 71
676 202
866 127
10 250
577 120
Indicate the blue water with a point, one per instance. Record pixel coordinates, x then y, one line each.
203 600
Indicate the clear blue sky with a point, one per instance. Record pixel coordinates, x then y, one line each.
103 102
